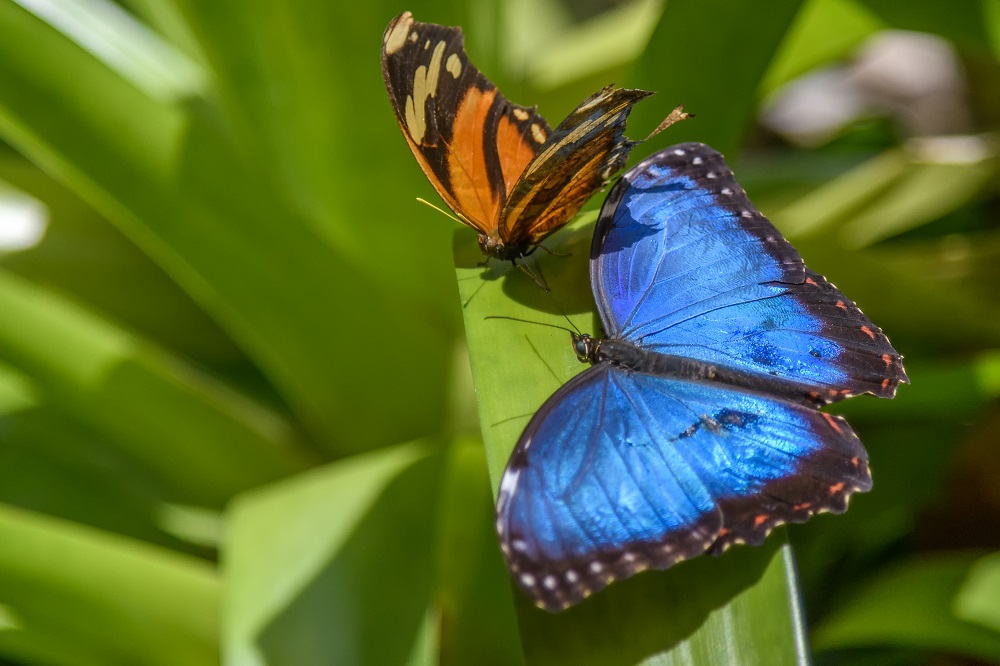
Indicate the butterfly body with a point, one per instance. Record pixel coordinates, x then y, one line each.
498 165
627 356
698 424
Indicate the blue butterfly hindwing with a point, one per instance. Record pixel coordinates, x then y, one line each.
698 426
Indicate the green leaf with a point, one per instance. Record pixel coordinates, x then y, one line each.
107 272
962 23
312 112
824 31
196 437
334 566
74 595
284 288
978 600
891 192
912 605
477 624
710 56
738 608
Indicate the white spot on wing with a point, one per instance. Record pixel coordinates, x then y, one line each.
425 80
509 481
537 133
397 36
454 65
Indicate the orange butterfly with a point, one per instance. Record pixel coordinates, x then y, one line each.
498 165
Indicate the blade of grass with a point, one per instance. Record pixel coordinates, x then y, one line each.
824 31
74 595
169 177
912 606
709 56
199 438
334 566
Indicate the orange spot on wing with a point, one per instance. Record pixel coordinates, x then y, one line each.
470 183
836 488
840 304
887 359
833 423
800 507
855 461
760 519
867 331
723 532
811 281
885 383
514 150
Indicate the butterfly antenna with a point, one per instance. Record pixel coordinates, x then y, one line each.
539 323
443 212
466 303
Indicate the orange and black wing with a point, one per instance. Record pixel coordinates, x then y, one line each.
471 142
583 152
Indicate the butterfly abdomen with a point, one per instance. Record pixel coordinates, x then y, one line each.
627 356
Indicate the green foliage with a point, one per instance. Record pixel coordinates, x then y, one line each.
236 413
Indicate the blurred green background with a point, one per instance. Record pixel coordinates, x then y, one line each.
237 411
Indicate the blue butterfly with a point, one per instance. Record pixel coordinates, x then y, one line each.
698 426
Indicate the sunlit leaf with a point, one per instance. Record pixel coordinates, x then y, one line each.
334 566
738 608
913 606
74 595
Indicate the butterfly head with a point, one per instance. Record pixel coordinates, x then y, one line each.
494 247
585 347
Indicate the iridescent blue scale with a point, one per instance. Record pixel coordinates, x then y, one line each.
699 425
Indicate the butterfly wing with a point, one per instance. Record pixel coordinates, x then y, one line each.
579 157
619 472
683 264
470 141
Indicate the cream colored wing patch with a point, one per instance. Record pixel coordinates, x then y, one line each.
425 81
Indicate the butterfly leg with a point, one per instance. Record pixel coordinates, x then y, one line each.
553 252
537 279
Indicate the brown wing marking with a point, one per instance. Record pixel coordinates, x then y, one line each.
549 211
578 158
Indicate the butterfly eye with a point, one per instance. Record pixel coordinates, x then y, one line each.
585 347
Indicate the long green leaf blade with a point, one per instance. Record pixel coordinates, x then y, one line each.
740 608
205 441
73 595
168 175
